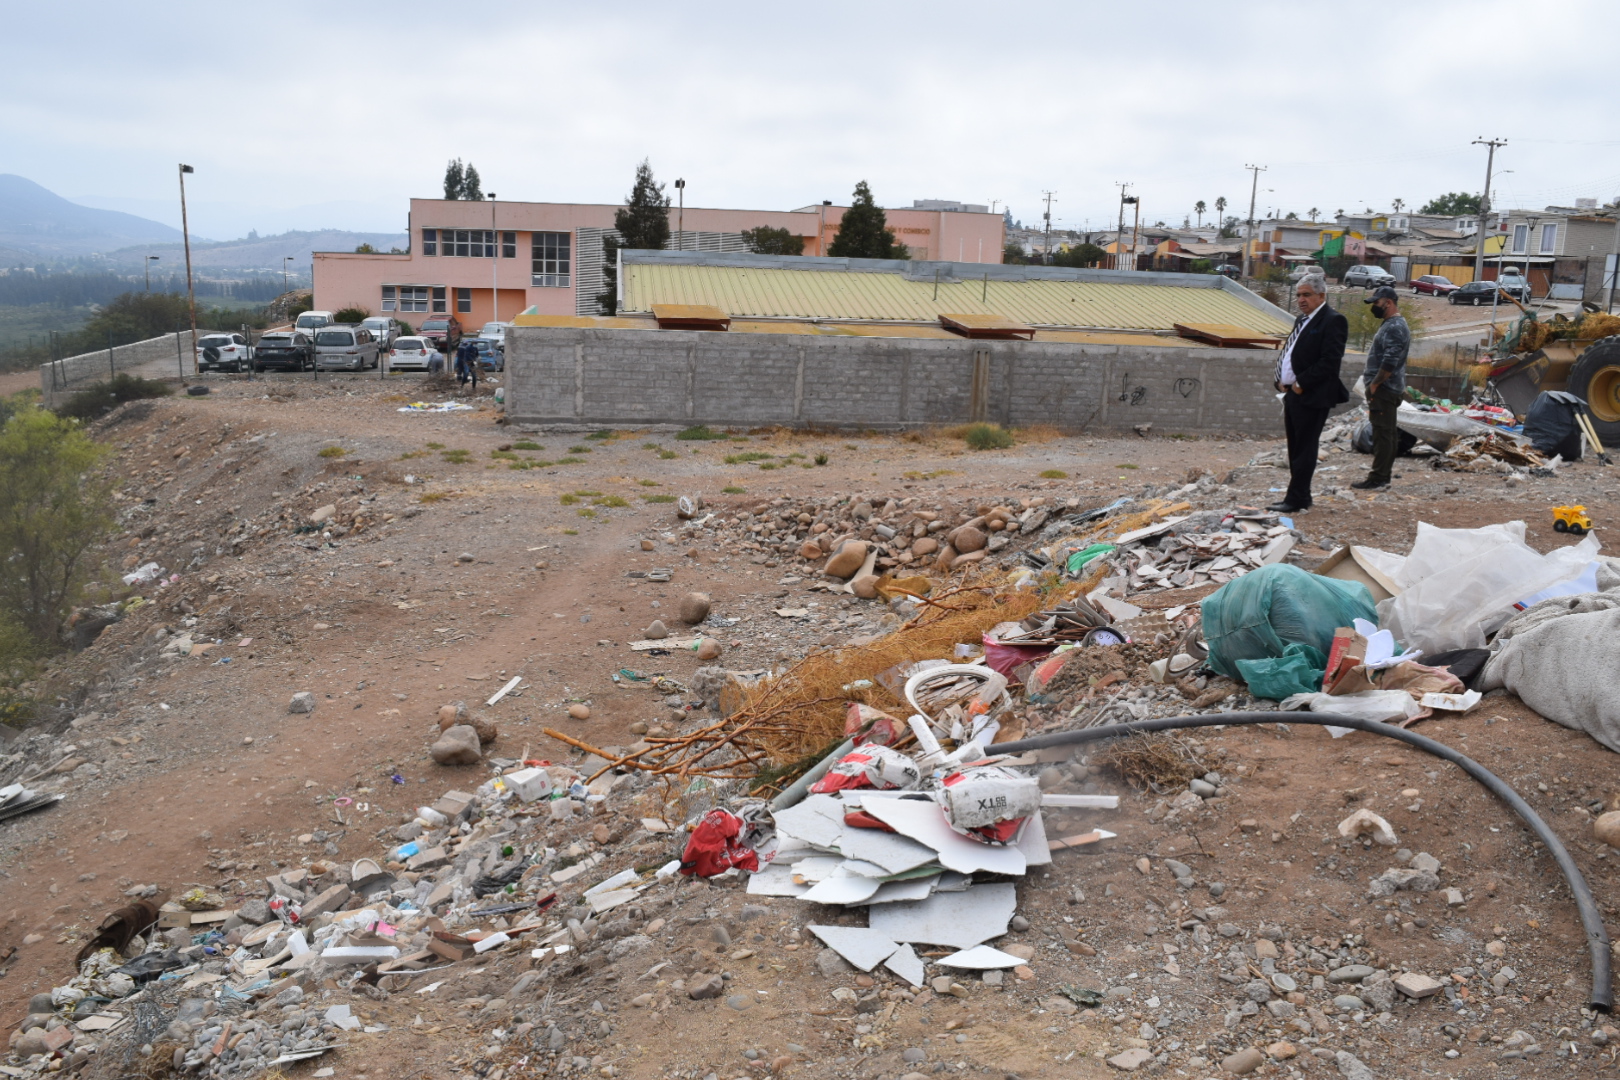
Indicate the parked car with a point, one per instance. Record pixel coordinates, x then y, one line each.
1514 284
444 331
343 346
311 321
287 350
489 357
1228 270
411 354
384 329
1368 277
1434 285
223 352
1475 293
1302 271
495 334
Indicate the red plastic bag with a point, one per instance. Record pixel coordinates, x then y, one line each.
1005 658
865 725
872 766
716 846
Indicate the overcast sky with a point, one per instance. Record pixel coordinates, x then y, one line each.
307 115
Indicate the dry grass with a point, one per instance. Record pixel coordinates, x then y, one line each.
1159 761
1039 433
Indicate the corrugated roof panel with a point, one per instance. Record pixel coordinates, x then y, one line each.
761 292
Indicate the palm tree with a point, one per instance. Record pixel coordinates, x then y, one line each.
1200 209
1396 204
1220 209
1314 212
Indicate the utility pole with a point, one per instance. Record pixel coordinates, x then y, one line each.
150 259
1485 203
1119 231
1136 229
1047 255
495 264
1248 239
185 231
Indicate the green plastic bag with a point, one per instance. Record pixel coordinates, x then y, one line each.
1260 614
1298 671
1078 561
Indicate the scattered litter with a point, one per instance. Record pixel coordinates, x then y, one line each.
435 407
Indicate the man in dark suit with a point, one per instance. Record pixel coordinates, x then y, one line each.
1308 377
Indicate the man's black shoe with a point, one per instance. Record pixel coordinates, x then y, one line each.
1286 508
1370 485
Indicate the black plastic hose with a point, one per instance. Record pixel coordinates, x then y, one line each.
1597 938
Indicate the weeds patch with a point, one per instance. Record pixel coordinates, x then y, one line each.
700 433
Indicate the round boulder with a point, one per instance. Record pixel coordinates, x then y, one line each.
968 539
1607 828
865 586
708 649
695 607
458 745
846 560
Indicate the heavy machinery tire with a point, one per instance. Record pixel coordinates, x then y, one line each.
1595 379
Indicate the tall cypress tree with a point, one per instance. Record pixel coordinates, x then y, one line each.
864 232
642 223
452 180
472 187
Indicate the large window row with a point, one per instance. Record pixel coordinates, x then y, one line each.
552 260
413 298
468 243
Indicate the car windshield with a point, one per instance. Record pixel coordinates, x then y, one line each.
275 339
217 339
311 320
405 344
436 324
334 337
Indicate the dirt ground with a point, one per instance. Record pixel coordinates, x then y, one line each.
448 573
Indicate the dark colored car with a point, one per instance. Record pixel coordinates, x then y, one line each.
444 331
1434 285
1228 270
1475 293
289 351
489 357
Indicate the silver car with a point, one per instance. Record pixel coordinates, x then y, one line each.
413 354
384 329
345 348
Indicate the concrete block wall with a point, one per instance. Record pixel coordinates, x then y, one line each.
73 372
589 376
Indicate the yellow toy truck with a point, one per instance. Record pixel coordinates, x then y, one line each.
1571 519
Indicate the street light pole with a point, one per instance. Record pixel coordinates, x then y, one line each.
150 259
185 230
285 259
495 264
680 216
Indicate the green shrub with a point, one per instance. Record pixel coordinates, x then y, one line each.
821 459
99 399
987 437
649 483
1054 474
570 461
579 449
658 498
331 452
600 435
667 455
526 444
734 490
350 315
700 433
569 500
617 501
748 456
457 457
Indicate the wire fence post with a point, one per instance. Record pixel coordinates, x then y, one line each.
112 368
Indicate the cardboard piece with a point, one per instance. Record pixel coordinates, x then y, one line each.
865 949
1347 564
958 919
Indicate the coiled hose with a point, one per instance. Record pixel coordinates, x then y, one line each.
1597 938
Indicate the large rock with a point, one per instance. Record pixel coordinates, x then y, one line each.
302 702
708 649
253 911
968 538
330 900
810 550
924 545
487 729
846 560
947 555
706 986
449 716
1607 828
31 1042
656 632
1244 1061
323 515
865 586
458 745
695 607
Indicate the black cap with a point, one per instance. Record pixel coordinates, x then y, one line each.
1383 292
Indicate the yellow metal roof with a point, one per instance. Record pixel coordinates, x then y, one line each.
988 326
770 292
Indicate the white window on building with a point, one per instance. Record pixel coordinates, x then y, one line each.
463 300
438 299
430 241
405 297
1521 237
1549 238
551 253
467 243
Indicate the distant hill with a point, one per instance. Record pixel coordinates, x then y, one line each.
39 222
259 252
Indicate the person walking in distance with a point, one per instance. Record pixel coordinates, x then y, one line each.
1308 378
467 364
1386 384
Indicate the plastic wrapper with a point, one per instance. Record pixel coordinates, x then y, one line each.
1460 585
871 766
989 803
1260 614
725 841
869 726
1298 670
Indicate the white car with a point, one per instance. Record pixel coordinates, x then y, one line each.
223 352
412 354
311 321
384 329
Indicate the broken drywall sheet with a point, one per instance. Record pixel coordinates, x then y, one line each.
843 890
864 948
923 820
818 820
775 879
896 854
980 958
958 919
895 891
905 963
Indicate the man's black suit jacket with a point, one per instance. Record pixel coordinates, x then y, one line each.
1316 359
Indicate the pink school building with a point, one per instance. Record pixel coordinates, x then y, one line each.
549 255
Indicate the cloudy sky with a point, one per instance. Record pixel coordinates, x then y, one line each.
306 115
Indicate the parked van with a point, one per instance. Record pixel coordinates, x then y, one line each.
384 329
345 347
311 321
